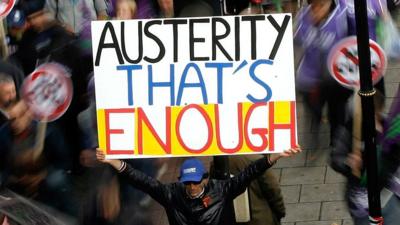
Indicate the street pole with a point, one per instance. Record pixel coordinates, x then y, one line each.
367 93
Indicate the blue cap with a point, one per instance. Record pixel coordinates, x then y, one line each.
16 18
192 170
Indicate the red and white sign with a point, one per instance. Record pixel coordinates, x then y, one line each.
343 62
5 7
48 91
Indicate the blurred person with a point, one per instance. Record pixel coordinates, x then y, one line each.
348 157
265 197
70 12
8 93
32 163
16 24
14 72
126 9
106 204
319 26
196 199
194 8
20 37
166 8
52 43
392 5
146 9
112 201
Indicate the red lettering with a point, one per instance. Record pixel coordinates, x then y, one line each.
262 132
209 128
240 129
142 118
109 131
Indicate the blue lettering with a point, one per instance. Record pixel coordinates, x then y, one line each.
252 69
220 67
170 84
129 69
183 83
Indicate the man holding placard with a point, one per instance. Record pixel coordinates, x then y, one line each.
195 199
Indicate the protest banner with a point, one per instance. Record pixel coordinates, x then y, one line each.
195 86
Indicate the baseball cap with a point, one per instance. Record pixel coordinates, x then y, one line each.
16 18
192 170
33 6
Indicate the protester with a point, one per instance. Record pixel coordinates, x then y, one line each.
265 197
126 9
195 199
71 13
347 159
319 26
52 43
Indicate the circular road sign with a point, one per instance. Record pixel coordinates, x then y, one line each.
5 7
343 62
48 91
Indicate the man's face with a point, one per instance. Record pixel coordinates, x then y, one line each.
7 94
38 20
193 189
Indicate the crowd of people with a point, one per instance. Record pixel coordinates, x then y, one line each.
58 165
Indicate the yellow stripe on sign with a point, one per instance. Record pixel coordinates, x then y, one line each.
282 112
101 128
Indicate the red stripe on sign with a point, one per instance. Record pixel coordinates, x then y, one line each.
8 9
349 55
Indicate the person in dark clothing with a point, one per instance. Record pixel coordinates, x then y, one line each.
195 199
50 42
347 158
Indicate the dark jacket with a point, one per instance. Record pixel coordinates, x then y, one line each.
210 209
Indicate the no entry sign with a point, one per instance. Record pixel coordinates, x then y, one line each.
343 62
6 7
48 91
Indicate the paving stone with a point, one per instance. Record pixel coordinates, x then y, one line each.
334 210
388 103
304 175
318 157
392 75
308 140
296 161
291 193
303 125
322 192
302 212
331 222
334 177
391 89
348 222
